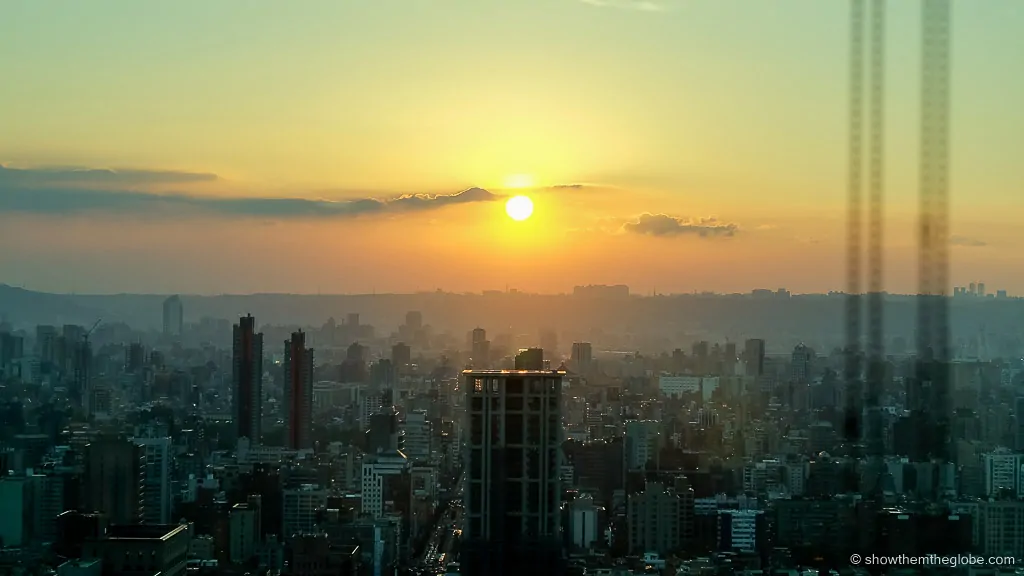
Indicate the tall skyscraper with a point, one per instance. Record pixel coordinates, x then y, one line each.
480 349
582 357
298 392
247 377
81 358
174 316
753 354
401 356
513 492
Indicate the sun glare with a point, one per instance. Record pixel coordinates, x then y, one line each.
519 181
519 208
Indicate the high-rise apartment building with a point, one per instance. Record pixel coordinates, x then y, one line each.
753 354
247 379
114 480
801 369
401 356
299 510
653 518
513 487
298 392
174 316
81 364
46 345
641 444
385 484
417 433
157 500
582 357
480 349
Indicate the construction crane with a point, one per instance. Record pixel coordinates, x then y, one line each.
85 337
83 369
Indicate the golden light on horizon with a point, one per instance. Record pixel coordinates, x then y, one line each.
519 208
519 181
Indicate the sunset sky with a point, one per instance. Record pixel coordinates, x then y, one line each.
208 146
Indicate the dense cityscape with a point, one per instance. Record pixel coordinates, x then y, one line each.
565 288
217 446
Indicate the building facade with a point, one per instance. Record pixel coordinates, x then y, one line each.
513 492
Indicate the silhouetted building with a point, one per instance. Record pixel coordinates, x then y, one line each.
353 368
298 392
141 550
480 349
134 358
82 361
247 377
383 433
753 355
530 359
582 357
174 316
74 528
414 319
401 356
513 492
115 473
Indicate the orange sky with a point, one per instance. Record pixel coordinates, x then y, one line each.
675 109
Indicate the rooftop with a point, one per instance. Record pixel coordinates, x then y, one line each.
81 563
145 531
515 372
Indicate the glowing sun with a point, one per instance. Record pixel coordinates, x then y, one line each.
519 208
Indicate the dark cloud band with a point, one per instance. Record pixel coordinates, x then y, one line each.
57 201
663 225
43 177
68 191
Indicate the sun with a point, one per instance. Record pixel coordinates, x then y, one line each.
519 208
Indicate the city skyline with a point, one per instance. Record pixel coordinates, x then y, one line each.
487 287
669 160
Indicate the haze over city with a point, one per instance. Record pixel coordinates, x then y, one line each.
677 146
511 287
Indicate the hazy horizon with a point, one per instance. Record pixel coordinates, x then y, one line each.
360 147
991 290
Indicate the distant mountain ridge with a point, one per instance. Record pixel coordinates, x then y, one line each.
782 322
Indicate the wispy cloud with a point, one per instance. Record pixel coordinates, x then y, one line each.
663 225
640 5
62 201
967 242
44 177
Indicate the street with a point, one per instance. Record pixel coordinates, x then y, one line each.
438 553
